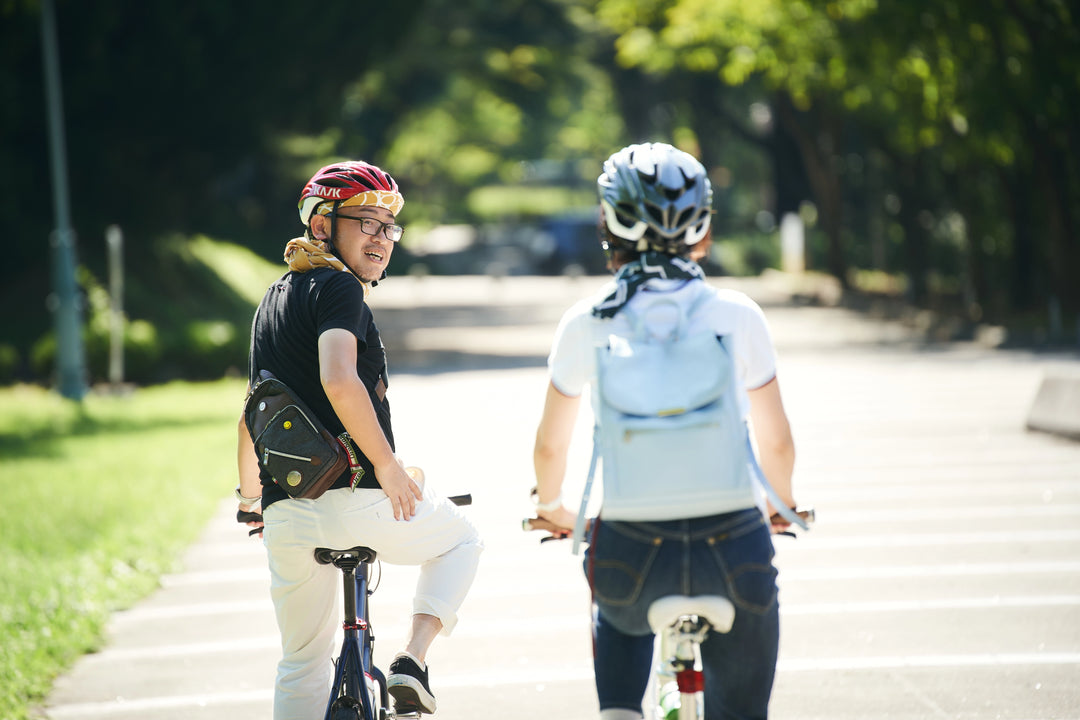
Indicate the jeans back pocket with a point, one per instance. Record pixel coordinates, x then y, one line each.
618 565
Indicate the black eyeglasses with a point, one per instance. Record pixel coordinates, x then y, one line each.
371 226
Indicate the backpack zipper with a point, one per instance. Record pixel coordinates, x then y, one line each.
267 452
629 433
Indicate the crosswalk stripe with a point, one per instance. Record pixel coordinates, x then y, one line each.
871 572
570 672
897 540
575 622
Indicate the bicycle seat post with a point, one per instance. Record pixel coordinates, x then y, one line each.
353 570
684 638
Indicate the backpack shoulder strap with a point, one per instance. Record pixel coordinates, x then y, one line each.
774 497
579 524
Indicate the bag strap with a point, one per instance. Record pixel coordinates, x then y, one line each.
252 375
579 524
759 476
756 473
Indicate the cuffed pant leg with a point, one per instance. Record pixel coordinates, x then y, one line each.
444 582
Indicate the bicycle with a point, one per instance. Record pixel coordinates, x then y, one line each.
359 689
676 689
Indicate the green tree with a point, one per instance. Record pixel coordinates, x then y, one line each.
177 118
496 87
961 106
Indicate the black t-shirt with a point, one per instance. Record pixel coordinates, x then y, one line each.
293 313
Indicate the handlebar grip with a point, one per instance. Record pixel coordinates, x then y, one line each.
806 513
246 517
538 523
557 532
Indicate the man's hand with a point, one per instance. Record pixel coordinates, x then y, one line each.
249 515
400 487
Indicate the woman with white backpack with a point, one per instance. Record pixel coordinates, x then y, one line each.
683 512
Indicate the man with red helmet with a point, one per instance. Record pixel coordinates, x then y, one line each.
314 331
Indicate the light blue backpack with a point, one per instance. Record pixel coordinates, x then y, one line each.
668 426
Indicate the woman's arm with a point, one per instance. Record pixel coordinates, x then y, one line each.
772 432
550 452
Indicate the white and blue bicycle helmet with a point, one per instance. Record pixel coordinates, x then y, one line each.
655 197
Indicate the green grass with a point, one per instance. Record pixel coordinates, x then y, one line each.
244 272
99 499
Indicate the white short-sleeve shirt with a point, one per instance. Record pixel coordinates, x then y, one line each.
728 313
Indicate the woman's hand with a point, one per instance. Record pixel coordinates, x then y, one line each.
561 516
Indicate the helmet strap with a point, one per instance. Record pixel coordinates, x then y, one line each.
334 251
333 235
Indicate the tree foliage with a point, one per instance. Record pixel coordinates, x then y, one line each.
964 112
936 140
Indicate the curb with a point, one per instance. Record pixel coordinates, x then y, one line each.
1056 408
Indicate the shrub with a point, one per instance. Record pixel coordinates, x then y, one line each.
9 363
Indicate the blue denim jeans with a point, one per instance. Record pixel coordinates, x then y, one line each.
632 564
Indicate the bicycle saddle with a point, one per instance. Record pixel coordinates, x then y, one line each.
716 610
326 556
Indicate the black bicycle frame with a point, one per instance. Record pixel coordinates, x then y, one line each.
355 660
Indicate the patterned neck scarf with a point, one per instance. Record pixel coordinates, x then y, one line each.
302 255
634 274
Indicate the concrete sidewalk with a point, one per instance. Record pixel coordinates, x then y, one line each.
942 580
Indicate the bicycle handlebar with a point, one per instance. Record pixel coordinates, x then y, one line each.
460 500
805 512
555 532
560 533
244 518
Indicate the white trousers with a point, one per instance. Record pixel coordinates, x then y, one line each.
439 538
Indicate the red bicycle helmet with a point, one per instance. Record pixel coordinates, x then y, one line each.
349 183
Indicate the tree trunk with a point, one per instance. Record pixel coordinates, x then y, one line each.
1017 188
915 245
977 287
1063 267
817 151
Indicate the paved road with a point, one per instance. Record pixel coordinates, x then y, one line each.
942 580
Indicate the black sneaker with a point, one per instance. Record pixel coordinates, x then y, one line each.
408 684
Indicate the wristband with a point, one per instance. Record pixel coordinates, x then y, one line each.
246 500
548 506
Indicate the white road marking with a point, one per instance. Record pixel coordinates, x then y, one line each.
566 672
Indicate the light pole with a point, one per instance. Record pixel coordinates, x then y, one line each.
65 302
